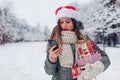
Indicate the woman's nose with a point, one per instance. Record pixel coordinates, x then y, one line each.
64 25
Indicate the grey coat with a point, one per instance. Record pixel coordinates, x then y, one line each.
60 73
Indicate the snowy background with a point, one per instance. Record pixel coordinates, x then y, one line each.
16 27
22 45
25 61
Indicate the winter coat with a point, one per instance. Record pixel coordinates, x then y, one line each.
62 73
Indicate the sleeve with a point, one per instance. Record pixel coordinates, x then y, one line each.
105 59
50 68
94 69
53 60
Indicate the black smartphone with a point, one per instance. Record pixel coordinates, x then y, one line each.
53 42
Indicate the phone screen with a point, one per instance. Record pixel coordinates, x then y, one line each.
53 42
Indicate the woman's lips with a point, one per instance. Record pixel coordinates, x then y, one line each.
65 29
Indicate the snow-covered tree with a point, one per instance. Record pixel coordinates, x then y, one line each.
99 15
13 29
47 32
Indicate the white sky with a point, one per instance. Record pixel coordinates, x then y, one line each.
40 11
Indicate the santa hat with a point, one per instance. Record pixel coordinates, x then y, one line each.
67 11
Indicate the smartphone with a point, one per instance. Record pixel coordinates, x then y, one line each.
53 42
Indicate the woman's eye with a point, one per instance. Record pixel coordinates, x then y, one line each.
68 21
61 22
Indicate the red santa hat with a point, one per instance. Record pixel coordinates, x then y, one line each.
67 11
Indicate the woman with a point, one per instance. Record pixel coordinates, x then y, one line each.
65 62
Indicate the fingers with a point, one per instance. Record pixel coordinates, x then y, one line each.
51 49
55 53
79 71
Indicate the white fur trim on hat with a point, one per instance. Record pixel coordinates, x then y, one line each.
68 13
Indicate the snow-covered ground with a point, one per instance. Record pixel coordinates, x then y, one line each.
25 61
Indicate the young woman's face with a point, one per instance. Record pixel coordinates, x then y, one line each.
66 24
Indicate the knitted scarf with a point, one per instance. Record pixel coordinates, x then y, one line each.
66 58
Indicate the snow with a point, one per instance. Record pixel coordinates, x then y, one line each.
25 61
112 72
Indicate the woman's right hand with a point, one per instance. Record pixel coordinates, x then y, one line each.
54 53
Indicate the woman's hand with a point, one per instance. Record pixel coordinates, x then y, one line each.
55 53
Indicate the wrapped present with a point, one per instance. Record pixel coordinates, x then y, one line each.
87 52
89 59
85 48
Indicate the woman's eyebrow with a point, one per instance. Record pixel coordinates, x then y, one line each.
68 19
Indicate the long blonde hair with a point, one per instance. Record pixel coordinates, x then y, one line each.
56 32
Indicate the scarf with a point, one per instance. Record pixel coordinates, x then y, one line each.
66 58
